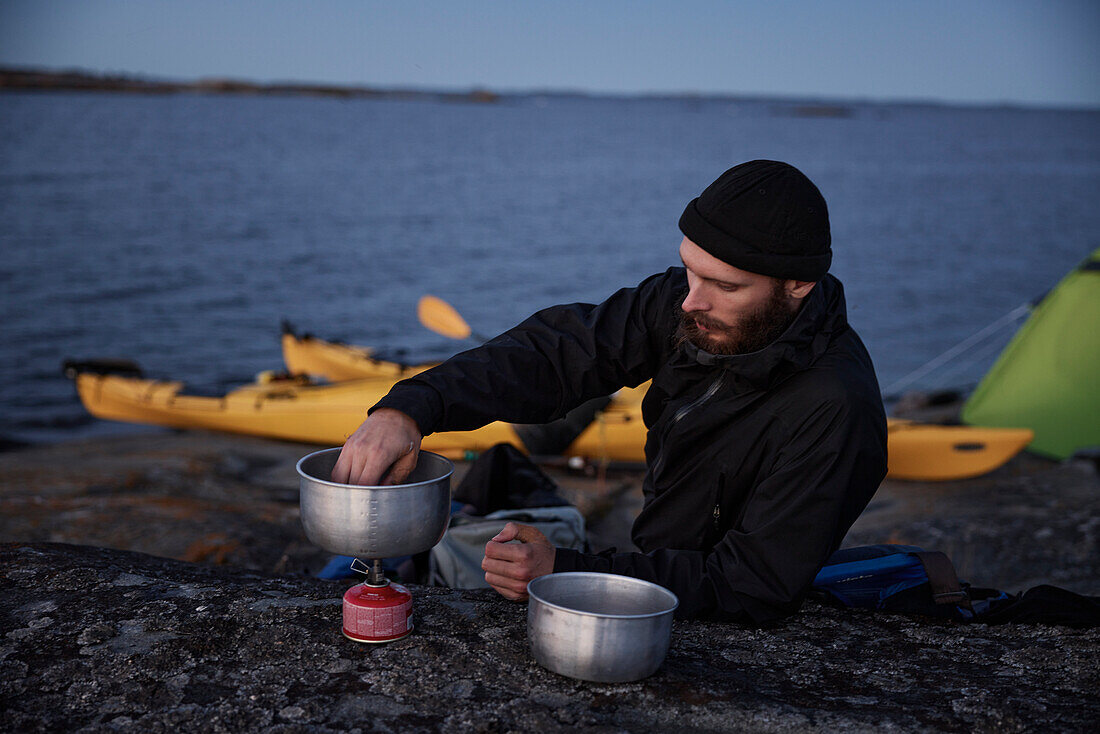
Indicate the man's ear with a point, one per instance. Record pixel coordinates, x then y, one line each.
798 288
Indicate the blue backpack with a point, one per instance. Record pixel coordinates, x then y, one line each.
900 578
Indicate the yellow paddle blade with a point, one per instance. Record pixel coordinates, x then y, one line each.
439 316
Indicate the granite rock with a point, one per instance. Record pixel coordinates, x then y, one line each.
235 635
105 640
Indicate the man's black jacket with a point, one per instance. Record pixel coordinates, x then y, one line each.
757 464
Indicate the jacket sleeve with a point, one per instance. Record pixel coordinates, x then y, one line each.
550 363
794 519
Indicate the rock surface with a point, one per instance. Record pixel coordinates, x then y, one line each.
233 500
212 498
192 496
98 639
235 635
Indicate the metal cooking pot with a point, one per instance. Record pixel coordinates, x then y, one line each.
599 626
375 522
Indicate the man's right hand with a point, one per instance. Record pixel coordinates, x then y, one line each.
382 450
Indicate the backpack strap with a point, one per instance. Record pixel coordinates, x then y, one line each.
946 588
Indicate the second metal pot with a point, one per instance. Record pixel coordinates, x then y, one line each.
599 626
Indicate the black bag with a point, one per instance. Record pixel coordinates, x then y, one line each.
909 580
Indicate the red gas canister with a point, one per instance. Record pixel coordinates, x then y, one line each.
377 613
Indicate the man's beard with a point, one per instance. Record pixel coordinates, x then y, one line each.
752 332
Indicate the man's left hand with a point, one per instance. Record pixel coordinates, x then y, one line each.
509 566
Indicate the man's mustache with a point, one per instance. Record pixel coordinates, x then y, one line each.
701 319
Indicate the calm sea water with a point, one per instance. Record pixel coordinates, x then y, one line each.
179 230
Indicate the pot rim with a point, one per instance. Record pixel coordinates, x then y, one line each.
535 597
329 483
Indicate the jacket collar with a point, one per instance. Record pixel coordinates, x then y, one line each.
823 315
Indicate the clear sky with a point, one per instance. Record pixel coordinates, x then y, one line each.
1041 52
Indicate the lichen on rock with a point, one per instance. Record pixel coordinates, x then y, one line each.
209 648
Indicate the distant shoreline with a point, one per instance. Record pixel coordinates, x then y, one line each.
82 81
41 80
46 80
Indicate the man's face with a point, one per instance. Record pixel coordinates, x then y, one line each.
732 311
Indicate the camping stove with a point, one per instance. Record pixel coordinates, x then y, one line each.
375 522
376 610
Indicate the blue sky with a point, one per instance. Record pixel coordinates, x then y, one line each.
1039 52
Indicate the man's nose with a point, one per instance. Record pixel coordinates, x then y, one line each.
694 302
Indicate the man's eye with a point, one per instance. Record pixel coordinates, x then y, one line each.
727 287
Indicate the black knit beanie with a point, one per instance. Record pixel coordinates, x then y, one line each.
765 217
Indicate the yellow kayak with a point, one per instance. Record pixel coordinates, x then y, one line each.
335 361
932 452
617 433
297 409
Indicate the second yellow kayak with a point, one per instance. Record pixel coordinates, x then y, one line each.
917 451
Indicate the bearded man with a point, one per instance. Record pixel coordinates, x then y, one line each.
766 431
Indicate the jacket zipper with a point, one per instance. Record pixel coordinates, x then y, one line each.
681 414
717 513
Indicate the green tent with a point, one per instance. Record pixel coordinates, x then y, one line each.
1048 377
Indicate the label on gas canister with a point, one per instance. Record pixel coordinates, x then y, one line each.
378 622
